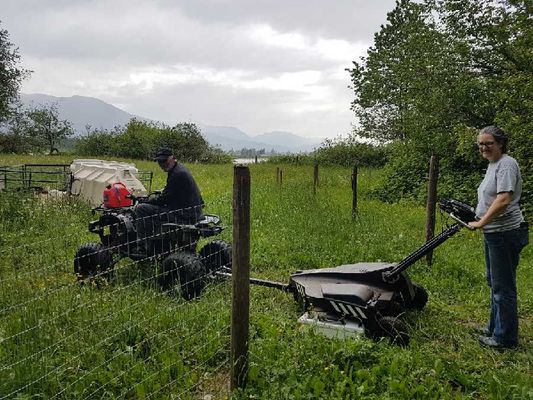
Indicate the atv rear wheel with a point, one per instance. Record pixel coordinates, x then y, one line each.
183 271
393 328
92 260
216 255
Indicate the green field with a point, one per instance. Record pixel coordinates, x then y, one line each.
127 339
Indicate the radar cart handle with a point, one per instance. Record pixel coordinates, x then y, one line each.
453 208
461 222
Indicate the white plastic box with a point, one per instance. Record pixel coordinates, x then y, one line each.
332 328
90 178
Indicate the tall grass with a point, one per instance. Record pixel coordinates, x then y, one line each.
130 340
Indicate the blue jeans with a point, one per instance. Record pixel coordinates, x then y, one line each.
502 253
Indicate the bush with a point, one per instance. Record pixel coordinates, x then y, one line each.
303 159
342 152
349 152
461 169
407 173
96 143
139 140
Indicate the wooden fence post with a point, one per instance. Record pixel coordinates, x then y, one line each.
431 203
280 177
277 175
240 313
354 191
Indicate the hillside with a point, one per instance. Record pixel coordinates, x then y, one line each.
84 111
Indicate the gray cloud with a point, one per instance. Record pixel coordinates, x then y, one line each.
257 65
347 19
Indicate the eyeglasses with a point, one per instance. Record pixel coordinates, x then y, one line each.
486 144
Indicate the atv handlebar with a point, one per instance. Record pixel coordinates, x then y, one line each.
137 199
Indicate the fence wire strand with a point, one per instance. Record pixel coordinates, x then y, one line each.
115 293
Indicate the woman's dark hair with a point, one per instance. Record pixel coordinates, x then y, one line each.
498 134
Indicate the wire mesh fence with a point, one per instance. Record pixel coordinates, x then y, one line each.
35 176
51 179
111 313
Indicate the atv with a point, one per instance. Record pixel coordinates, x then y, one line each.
172 249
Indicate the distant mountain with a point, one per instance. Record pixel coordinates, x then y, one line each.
228 132
229 138
82 111
225 137
288 139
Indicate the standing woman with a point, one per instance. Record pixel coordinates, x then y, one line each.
505 234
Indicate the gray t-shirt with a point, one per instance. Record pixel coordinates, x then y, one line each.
501 176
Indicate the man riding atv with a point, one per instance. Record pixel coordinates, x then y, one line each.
180 202
163 229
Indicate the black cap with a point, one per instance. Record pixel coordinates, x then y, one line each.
162 154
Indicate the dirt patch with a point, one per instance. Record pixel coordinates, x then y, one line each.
214 386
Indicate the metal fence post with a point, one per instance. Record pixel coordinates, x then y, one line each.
241 277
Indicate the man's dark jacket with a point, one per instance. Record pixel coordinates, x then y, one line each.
181 193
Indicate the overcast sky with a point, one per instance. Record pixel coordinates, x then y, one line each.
258 65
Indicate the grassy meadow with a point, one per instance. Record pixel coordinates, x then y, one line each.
127 339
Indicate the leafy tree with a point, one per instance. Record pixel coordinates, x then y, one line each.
11 74
349 152
140 139
405 87
438 71
498 39
185 139
135 140
45 126
14 132
96 143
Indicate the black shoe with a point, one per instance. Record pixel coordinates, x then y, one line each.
490 342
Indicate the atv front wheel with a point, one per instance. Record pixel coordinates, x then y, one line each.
216 255
92 260
184 271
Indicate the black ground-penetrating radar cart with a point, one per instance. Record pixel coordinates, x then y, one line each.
367 297
172 249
